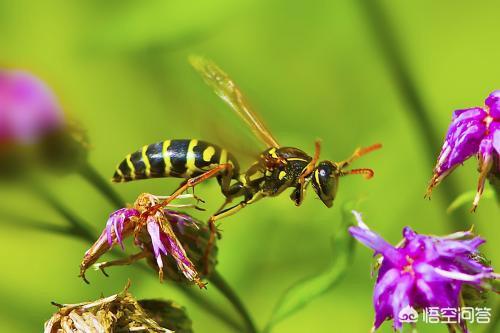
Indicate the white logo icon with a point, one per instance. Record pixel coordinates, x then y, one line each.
408 315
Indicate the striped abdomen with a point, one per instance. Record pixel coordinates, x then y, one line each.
173 158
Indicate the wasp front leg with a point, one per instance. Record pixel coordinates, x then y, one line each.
298 193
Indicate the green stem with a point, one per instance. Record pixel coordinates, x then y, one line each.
451 328
195 294
385 36
24 222
218 281
90 174
78 227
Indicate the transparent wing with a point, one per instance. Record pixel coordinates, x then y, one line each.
226 89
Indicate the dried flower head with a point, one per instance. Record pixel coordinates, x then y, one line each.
474 131
162 235
422 271
116 313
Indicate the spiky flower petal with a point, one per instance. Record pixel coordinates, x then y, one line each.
423 271
473 131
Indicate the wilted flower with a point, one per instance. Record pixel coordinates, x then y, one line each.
161 235
116 313
422 271
474 131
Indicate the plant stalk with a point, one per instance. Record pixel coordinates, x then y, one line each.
218 281
384 34
77 228
494 179
90 174
492 327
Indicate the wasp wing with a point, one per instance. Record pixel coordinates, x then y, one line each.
226 89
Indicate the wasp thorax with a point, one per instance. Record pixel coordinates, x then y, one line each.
325 182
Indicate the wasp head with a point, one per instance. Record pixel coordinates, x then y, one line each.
325 178
325 181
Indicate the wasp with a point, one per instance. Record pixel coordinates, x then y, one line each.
276 169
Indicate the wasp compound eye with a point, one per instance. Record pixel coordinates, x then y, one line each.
325 182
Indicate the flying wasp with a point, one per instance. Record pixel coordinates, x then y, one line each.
276 169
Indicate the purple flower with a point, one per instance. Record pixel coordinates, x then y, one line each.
116 224
164 242
28 107
422 271
474 131
155 232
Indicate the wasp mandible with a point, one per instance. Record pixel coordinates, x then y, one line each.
276 169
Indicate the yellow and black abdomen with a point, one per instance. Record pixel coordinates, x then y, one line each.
173 158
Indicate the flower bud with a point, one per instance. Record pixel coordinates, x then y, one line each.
33 128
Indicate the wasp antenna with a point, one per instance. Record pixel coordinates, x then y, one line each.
367 173
363 151
317 149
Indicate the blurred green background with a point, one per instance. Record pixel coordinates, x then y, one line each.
313 69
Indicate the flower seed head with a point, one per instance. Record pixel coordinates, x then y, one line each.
116 313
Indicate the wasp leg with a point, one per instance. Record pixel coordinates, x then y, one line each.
220 215
254 168
183 196
298 194
310 166
120 262
225 181
236 208
226 202
191 182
